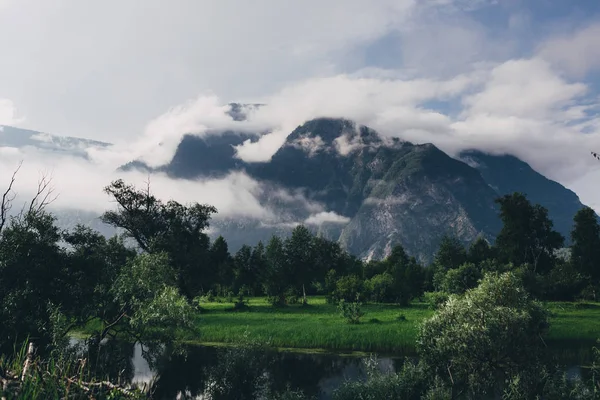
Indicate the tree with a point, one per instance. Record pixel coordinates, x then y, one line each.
150 307
277 277
490 334
32 278
527 236
585 251
480 251
171 228
92 264
459 280
220 269
299 253
451 253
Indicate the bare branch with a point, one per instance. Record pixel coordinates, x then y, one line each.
43 196
7 198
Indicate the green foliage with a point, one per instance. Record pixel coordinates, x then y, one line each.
527 236
585 251
410 383
459 280
436 299
494 331
451 254
57 377
349 288
171 228
381 287
350 311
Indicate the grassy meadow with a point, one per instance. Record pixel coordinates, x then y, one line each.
385 328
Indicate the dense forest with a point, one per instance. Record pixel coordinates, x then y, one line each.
147 284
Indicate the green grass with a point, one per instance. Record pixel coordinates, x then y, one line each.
319 326
574 321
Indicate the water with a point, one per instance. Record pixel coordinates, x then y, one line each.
185 374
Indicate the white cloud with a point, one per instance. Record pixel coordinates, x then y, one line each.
326 217
524 88
577 53
8 113
311 145
448 78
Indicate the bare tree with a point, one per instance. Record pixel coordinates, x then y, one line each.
8 197
44 195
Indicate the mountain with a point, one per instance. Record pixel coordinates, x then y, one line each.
383 190
508 174
19 138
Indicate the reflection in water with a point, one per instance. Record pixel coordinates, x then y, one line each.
225 373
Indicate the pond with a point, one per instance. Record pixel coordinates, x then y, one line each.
186 373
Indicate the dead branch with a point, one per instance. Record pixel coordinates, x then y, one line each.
7 198
28 361
44 195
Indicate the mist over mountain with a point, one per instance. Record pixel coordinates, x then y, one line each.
370 192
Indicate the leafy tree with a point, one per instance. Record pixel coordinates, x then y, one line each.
585 251
381 287
490 334
480 251
172 228
459 280
527 236
277 277
451 253
220 269
93 264
244 270
350 288
299 253
32 278
150 307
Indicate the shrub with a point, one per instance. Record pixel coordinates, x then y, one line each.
459 280
350 311
349 288
435 299
486 336
381 288
411 382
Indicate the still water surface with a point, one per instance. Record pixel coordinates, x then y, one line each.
186 375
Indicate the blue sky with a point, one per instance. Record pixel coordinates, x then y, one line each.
516 76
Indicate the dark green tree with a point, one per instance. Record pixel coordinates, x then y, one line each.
33 278
451 253
277 276
220 271
480 251
300 256
585 250
171 228
527 236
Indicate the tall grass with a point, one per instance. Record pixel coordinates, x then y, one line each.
55 378
385 328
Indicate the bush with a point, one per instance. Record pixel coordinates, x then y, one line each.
411 382
435 299
381 288
350 311
488 335
349 288
459 280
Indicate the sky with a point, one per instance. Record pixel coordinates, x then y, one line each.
515 76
